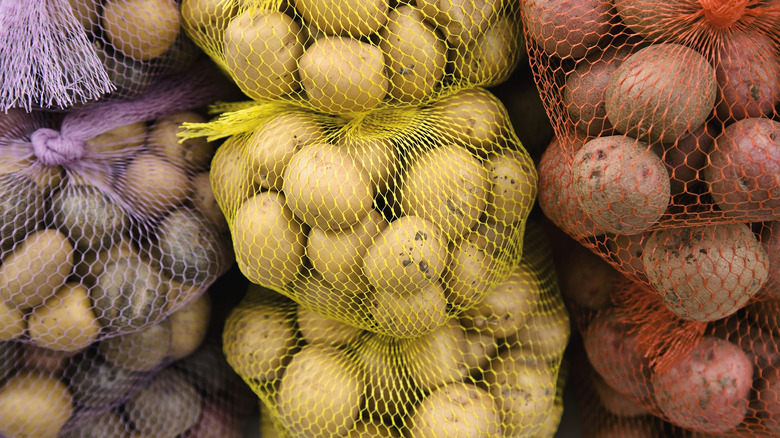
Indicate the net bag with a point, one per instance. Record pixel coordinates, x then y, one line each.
492 371
108 222
343 57
665 160
63 53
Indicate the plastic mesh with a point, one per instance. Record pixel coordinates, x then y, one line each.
491 371
63 53
349 57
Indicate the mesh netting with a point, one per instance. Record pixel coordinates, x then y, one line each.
353 56
491 371
62 53
108 222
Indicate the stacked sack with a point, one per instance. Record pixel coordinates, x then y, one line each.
378 198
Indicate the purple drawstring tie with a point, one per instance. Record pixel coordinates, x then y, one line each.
53 149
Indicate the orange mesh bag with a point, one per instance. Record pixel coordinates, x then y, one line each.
344 57
493 370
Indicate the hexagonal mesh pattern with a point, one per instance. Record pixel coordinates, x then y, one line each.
62 53
666 154
493 370
345 56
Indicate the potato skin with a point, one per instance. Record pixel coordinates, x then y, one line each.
456 410
743 168
567 28
621 184
344 17
142 29
705 272
24 397
708 389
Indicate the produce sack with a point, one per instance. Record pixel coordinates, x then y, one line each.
345 56
108 222
665 160
384 221
493 370
57 54
168 380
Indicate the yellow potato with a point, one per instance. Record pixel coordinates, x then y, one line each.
189 325
193 154
203 201
447 186
473 118
481 347
86 12
153 186
91 263
318 329
545 335
274 143
262 48
65 321
378 156
47 361
343 75
437 357
12 323
492 56
46 178
231 180
326 188
456 410
207 17
341 17
141 350
471 273
141 29
372 429
412 313
460 20
34 405
313 291
269 243
338 255
513 189
38 266
414 54
123 138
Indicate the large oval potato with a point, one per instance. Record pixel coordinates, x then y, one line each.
90 217
141 350
437 357
262 50
344 17
141 29
456 410
567 28
343 75
25 396
153 186
65 321
513 189
473 118
165 407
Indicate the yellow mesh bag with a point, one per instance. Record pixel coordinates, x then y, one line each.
353 56
494 370
388 221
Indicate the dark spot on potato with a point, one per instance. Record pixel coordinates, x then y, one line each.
755 92
703 251
420 235
600 155
406 262
423 266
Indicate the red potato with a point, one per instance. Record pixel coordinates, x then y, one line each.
761 345
567 28
743 170
626 253
708 389
770 237
586 279
748 74
621 184
686 158
769 400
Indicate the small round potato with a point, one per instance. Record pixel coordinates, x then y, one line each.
166 407
437 357
141 29
21 208
28 395
65 321
456 410
12 324
343 75
90 217
319 329
204 202
460 20
513 189
153 186
473 118
411 313
189 326
567 28
471 273
492 56
97 384
344 17
230 176
141 350
193 154
123 138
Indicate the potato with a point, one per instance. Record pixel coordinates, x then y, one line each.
309 408
769 396
407 255
89 216
344 17
312 291
21 204
129 294
152 186
65 321
12 324
207 17
524 394
130 137
89 264
471 117
707 389
513 179
481 347
24 397
409 313
687 157
491 57
460 21
318 329
141 29
544 336
11 354
770 237
326 188
98 384
748 75
615 402
218 419
95 426
471 273
343 75
189 326
705 272
204 202
230 176
166 407
415 56
496 237
437 357
447 186
259 338
568 28
131 78
42 359
456 410
372 429
262 50
505 308
274 143
36 268
661 92
741 170
378 156
621 184
269 243
86 12
586 279
193 154
141 350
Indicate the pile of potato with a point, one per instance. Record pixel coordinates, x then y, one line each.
490 371
350 56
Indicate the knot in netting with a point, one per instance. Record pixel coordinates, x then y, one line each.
54 149
723 13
